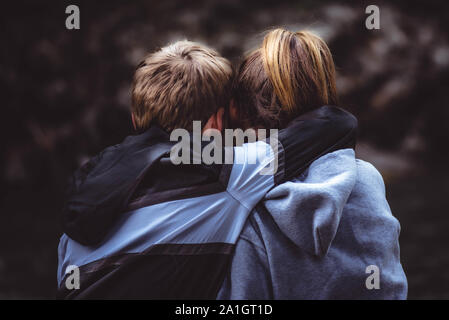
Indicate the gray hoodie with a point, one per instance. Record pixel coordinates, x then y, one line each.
329 234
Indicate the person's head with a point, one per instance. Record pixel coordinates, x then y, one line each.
292 73
178 84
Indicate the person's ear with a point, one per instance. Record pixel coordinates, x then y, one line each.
215 121
133 121
219 119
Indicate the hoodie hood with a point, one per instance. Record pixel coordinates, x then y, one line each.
321 236
308 209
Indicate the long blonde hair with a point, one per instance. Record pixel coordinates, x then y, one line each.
291 73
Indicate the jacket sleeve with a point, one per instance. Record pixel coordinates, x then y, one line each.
311 136
261 165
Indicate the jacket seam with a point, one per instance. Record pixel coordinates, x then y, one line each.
254 244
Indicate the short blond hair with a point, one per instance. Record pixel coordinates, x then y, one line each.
180 83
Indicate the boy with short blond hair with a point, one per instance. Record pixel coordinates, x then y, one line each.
178 84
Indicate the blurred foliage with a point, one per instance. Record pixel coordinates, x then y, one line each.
67 97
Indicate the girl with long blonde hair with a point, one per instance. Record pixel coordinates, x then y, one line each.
329 232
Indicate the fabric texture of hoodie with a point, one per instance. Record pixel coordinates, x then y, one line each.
328 234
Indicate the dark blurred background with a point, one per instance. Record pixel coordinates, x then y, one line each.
66 93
